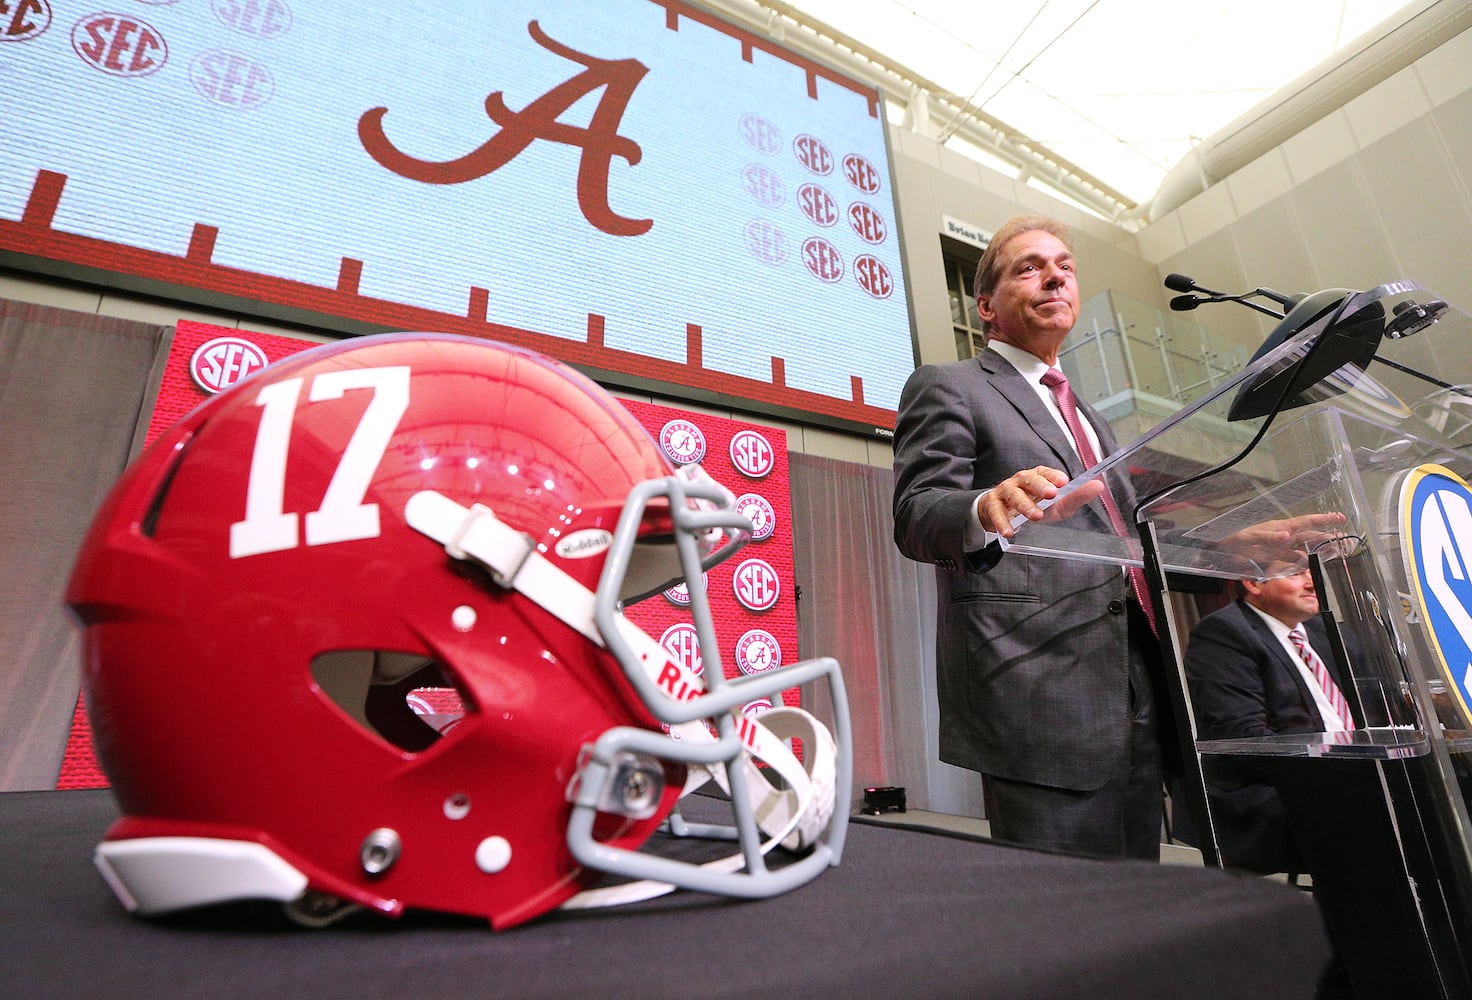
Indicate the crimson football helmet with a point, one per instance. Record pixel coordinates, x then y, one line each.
354 638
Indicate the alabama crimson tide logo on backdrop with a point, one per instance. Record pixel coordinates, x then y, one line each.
755 508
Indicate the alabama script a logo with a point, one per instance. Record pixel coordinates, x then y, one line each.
600 141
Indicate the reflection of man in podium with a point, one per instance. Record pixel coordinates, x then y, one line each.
1259 666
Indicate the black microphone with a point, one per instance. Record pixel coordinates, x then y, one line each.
1183 303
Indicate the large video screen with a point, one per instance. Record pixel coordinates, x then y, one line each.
634 186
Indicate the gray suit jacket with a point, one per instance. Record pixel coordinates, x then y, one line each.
1032 653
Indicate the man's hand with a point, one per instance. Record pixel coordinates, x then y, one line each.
1287 539
1022 492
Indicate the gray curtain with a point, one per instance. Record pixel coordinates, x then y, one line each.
74 391
872 609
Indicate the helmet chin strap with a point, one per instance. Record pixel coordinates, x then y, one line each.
794 816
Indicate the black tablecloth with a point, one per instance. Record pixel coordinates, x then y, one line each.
910 913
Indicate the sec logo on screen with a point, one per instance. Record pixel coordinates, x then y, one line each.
231 80
811 153
1436 535
764 185
867 223
822 259
119 45
861 173
23 20
766 242
818 205
872 276
218 364
760 134
260 18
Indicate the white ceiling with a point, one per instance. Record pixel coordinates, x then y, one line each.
1120 90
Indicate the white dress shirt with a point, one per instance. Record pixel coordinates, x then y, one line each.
1332 722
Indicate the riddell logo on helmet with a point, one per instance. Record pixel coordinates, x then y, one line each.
675 685
218 364
584 544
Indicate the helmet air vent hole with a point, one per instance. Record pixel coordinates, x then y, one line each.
406 699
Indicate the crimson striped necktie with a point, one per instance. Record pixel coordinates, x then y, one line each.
1068 406
1316 666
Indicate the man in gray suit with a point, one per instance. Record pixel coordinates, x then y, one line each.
1042 663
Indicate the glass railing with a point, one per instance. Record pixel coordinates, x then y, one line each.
1138 364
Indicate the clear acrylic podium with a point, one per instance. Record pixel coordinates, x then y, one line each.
1358 405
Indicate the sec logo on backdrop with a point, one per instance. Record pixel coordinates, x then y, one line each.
752 454
218 364
682 642
756 585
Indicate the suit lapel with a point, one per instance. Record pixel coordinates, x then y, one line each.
1280 655
1040 421
1014 387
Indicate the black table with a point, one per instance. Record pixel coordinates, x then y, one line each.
910 913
